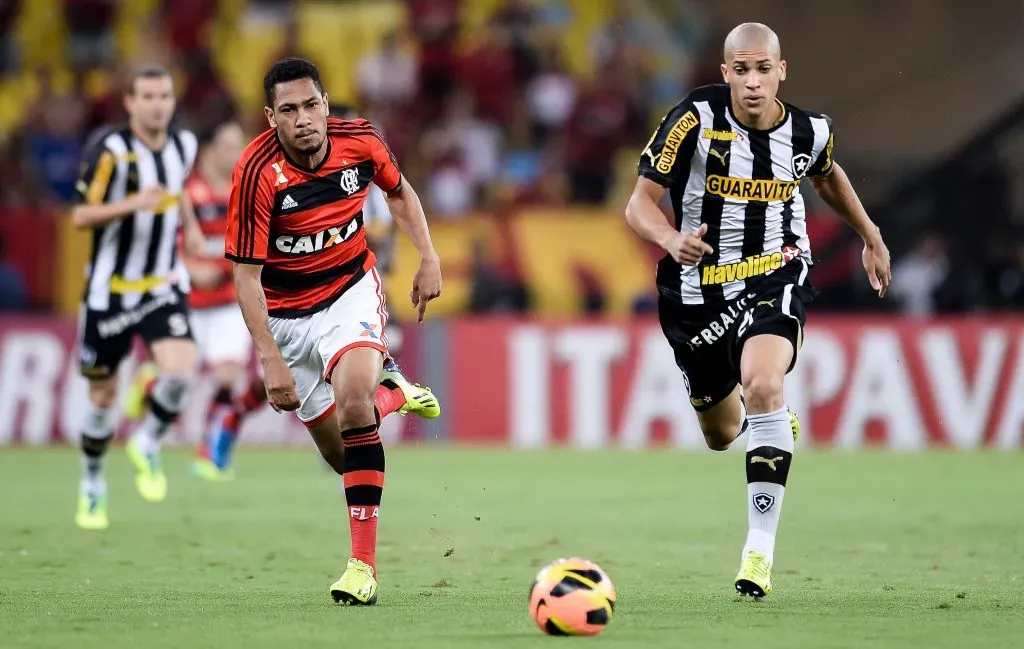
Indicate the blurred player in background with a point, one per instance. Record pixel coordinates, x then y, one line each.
131 196
223 340
733 285
310 293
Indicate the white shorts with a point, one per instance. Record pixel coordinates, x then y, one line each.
221 335
312 345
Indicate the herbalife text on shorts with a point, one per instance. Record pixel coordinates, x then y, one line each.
117 324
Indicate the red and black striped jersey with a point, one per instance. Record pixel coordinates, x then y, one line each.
306 225
211 209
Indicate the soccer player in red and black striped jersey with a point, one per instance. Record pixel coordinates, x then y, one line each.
223 340
310 294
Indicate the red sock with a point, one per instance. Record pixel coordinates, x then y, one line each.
388 400
364 484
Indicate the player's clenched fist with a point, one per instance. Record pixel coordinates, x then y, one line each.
281 392
687 248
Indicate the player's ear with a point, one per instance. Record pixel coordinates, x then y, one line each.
782 70
725 73
327 106
270 116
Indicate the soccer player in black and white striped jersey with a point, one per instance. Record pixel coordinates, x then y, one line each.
733 284
130 195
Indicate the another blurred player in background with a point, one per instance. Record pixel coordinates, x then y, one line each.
733 285
131 196
310 293
223 340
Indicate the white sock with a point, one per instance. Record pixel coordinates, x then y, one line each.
149 432
165 402
769 455
97 431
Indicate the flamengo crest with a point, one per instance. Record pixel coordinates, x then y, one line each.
350 181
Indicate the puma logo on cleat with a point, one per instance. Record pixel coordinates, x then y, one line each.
770 461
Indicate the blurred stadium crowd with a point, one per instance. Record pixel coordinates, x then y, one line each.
492 106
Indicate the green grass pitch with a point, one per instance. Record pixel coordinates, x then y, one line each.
875 550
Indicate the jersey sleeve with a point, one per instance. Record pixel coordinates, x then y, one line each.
190 149
669 150
823 164
248 229
386 173
95 176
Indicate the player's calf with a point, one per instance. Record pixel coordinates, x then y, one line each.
770 446
224 422
96 434
355 380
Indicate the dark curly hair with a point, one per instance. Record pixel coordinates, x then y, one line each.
290 69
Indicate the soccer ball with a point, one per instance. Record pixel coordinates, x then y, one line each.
572 597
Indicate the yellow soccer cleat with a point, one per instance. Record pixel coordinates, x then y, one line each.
794 423
357 586
418 400
92 512
134 403
207 470
149 479
755 575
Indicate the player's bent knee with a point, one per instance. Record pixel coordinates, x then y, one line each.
170 391
763 391
721 438
355 407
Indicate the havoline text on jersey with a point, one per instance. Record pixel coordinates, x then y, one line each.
135 258
742 182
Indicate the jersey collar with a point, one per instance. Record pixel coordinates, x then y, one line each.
782 119
327 156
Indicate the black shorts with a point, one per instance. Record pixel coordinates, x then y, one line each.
707 340
105 337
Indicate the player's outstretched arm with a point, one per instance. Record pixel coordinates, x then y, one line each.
837 191
253 303
407 211
646 219
195 242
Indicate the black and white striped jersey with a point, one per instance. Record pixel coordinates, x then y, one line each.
135 258
743 183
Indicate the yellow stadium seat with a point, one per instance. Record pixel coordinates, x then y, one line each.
242 59
129 22
588 17
41 33
336 36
